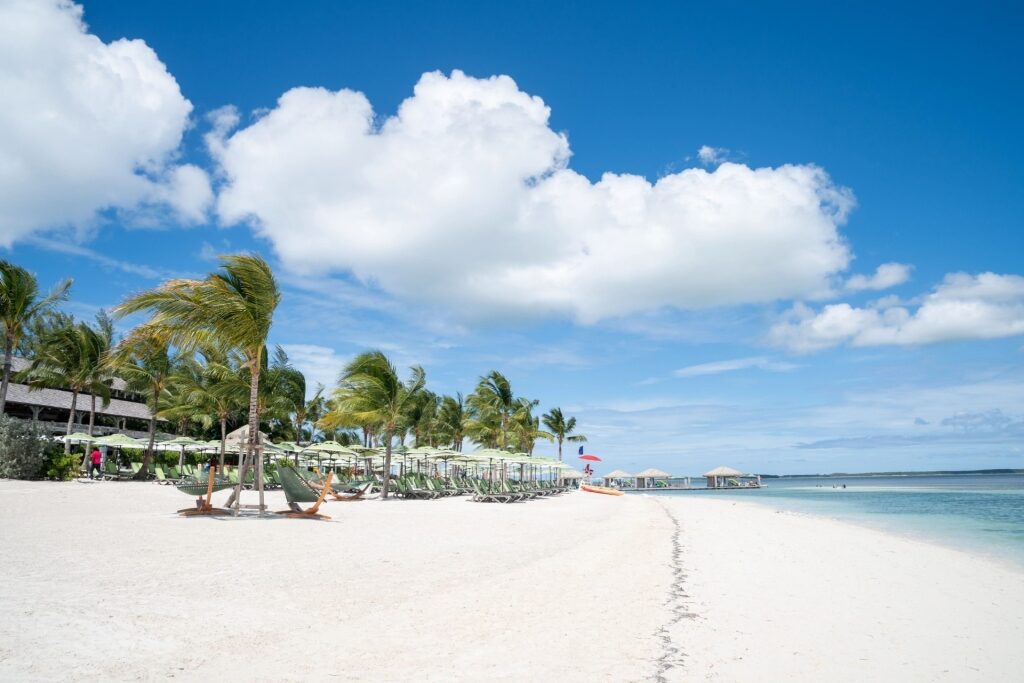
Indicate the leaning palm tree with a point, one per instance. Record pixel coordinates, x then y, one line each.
370 392
20 303
561 428
233 309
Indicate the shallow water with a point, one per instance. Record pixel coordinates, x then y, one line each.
979 513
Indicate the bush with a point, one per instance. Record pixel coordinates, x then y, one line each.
62 466
25 452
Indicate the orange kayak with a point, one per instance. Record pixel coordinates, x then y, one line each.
601 489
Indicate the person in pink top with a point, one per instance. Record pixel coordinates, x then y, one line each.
96 458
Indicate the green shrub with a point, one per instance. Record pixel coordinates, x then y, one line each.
286 462
62 466
24 449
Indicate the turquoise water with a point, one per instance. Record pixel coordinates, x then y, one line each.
980 513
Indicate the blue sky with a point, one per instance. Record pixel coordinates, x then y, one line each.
693 308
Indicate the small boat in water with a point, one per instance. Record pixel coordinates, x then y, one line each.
601 489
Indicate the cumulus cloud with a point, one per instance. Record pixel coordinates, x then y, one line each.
962 307
734 364
85 125
711 156
886 275
465 198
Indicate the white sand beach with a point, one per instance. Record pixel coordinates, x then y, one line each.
102 581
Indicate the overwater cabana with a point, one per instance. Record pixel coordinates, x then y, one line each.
620 479
727 478
652 478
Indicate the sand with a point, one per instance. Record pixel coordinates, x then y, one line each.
101 581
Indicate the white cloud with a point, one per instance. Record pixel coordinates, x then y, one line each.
464 198
85 126
712 156
962 307
886 275
320 364
732 365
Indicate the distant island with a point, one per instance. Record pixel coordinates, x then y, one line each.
892 474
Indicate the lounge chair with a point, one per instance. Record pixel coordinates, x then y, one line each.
482 495
297 491
342 491
158 472
198 488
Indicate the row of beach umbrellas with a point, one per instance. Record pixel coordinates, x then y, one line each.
332 453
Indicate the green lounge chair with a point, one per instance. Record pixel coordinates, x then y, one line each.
158 472
482 495
297 491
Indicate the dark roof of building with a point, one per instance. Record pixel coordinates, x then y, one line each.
18 364
58 398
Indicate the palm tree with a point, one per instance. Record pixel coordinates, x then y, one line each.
234 309
493 397
282 392
20 303
419 417
370 392
309 411
221 391
71 357
145 362
526 427
562 428
451 420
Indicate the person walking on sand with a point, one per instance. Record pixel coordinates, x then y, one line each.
95 459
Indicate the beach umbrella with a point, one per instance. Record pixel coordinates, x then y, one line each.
77 437
120 440
592 458
182 442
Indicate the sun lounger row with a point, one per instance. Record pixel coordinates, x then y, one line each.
419 486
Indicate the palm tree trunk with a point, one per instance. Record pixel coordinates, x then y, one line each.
8 351
559 449
148 457
71 420
248 457
92 421
387 464
223 440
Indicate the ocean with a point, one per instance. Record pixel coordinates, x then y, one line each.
982 513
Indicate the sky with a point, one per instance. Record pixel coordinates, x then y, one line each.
783 237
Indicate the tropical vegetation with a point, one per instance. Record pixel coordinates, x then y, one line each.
200 361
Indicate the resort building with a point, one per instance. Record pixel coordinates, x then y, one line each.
51 408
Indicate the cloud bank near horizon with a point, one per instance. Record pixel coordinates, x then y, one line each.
962 307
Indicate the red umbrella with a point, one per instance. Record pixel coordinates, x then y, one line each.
592 458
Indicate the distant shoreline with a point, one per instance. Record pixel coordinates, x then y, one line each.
929 473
